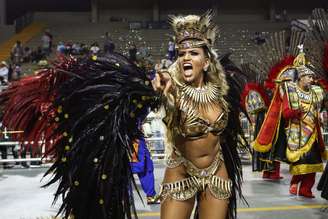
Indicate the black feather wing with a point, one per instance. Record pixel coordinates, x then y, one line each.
233 136
97 121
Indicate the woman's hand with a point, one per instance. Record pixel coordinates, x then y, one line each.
162 82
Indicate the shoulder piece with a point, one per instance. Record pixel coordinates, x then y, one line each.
319 92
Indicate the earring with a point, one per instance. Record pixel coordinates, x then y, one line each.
205 68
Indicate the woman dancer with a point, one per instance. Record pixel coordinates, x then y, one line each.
202 127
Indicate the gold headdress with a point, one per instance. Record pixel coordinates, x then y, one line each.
194 31
303 71
301 64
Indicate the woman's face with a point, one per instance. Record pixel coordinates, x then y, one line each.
192 63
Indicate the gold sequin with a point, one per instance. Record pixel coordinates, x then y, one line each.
60 109
67 148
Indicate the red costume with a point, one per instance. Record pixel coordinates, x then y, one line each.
291 128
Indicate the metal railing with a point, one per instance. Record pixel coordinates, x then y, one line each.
155 144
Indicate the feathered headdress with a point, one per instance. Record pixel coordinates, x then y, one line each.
194 31
301 64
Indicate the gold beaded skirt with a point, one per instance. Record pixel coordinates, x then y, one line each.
199 180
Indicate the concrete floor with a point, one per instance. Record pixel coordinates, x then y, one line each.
22 198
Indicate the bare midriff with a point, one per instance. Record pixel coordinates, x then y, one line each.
200 152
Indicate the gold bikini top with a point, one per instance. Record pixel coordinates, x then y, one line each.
194 127
182 111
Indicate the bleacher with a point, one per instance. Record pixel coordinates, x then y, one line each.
24 36
234 36
237 37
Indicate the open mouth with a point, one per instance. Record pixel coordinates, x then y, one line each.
187 66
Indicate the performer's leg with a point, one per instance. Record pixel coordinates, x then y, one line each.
275 174
294 184
147 180
306 185
147 183
266 174
171 208
35 152
296 179
23 155
14 151
3 151
209 206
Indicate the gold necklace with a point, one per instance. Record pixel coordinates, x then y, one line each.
203 95
193 99
304 95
